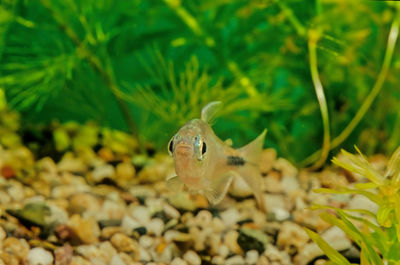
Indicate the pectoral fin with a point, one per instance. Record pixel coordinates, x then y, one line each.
218 188
174 184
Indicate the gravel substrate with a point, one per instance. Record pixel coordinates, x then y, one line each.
97 208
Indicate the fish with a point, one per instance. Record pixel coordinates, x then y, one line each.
207 165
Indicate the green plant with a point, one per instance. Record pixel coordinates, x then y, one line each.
90 60
377 235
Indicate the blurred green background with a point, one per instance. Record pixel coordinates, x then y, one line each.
146 67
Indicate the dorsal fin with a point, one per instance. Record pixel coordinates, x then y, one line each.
210 110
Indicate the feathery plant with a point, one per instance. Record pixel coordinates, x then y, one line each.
376 234
90 60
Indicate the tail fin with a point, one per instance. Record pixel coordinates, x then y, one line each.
250 172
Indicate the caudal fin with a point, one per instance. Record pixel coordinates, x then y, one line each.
250 172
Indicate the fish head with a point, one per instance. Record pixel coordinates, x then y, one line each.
189 148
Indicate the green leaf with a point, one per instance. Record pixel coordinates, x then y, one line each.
359 165
370 195
352 231
332 253
385 215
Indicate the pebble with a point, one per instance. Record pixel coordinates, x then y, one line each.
272 182
218 260
291 234
155 227
117 260
223 251
178 261
192 258
252 239
235 260
181 200
39 256
63 255
230 240
87 229
128 224
144 255
336 238
15 247
361 202
103 171
112 210
141 214
290 183
263 260
285 167
171 211
124 172
146 241
330 179
230 217
3 234
123 243
275 205
252 257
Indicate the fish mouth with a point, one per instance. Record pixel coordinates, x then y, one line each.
184 150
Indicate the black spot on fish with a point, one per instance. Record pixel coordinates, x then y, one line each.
235 161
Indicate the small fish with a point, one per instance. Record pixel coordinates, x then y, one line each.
206 164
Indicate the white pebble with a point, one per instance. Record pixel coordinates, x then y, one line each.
141 214
103 171
39 256
155 226
218 260
252 257
192 258
290 183
128 224
178 261
144 255
146 241
235 260
171 211
223 251
230 216
116 260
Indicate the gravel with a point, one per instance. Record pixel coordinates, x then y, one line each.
86 210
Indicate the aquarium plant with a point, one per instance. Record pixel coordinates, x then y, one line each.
376 234
309 72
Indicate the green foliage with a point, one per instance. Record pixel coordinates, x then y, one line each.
377 235
148 66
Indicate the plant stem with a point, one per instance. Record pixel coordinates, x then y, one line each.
319 90
300 29
96 64
391 43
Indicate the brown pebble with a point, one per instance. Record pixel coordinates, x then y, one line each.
63 255
106 154
7 171
66 234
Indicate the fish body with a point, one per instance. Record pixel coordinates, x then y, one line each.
206 164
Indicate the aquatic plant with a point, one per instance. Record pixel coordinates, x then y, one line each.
146 66
376 234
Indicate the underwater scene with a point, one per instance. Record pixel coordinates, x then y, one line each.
226 132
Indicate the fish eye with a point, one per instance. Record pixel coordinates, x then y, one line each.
204 148
171 146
